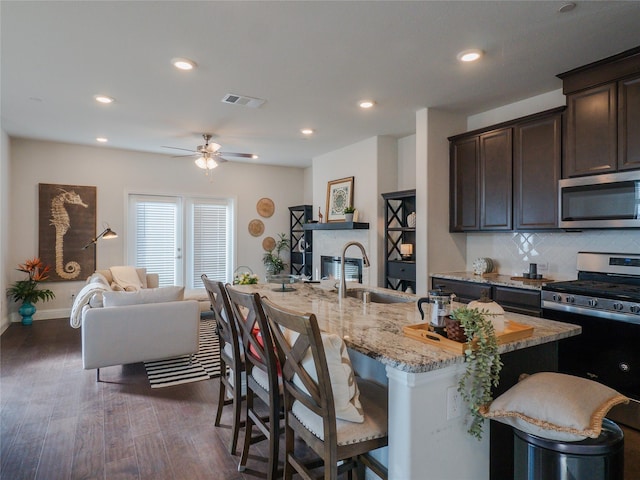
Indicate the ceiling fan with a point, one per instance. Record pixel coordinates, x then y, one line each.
208 156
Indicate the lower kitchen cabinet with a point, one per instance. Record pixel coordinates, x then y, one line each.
518 300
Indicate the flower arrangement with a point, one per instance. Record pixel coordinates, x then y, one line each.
245 279
27 290
349 210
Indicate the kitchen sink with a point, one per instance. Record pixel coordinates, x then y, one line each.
376 296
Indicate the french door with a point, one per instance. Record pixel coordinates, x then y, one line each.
180 238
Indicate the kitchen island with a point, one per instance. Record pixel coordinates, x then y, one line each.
427 422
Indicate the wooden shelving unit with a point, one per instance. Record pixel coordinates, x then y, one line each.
400 274
301 261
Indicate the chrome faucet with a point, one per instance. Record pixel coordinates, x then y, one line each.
365 261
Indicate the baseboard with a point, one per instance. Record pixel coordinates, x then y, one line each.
43 314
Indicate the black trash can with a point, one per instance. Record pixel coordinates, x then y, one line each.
599 458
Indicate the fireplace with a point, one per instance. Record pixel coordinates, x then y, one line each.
330 268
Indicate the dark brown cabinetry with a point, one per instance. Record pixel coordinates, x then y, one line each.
537 156
496 185
301 240
512 299
465 181
603 116
505 177
400 273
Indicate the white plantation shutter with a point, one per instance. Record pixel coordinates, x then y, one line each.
157 241
210 241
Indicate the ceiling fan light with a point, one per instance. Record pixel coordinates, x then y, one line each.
211 163
213 147
201 162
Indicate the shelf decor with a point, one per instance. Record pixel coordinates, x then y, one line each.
339 197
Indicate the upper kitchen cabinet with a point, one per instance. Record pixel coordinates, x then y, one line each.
603 116
505 177
496 186
464 191
537 157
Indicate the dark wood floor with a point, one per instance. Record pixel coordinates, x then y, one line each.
58 423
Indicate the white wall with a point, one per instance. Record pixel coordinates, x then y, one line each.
118 172
373 164
407 163
4 228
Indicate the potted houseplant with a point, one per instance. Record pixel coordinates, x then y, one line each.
272 261
348 214
27 291
483 363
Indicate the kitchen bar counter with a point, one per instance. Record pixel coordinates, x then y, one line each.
427 427
375 329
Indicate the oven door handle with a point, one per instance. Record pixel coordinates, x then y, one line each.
590 312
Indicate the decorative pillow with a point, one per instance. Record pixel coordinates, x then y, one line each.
555 406
99 279
346 397
143 296
126 277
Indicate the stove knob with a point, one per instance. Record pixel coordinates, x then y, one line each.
635 309
618 306
571 299
556 297
593 302
624 367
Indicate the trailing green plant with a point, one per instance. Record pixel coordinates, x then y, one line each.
27 291
272 260
349 210
483 364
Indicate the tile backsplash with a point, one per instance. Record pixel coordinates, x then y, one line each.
513 252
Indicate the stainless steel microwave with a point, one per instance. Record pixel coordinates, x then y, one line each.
600 201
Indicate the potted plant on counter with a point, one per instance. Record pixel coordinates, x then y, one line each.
482 361
27 291
272 261
348 214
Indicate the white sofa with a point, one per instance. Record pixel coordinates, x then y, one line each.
129 327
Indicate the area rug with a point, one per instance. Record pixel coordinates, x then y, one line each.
204 365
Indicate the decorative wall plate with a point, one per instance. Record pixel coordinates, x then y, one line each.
269 243
265 207
256 227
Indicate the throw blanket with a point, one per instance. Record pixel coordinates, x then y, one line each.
82 299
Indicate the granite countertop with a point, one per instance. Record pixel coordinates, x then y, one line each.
375 329
493 279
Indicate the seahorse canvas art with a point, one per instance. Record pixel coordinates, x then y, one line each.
67 222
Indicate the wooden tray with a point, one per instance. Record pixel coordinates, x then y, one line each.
513 331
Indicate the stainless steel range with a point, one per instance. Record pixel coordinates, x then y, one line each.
605 302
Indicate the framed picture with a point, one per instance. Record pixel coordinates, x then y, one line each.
339 197
67 221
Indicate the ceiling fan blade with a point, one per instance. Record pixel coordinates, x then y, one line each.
243 155
221 160
178 148
183 156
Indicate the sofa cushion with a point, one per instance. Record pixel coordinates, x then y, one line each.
555 406
142 296
141 271
126 278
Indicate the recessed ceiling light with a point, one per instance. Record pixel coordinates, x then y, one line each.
102 139
306 131
566 7
183 63
469 55
104 99
366 103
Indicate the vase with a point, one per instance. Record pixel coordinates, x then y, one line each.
348 217
27 310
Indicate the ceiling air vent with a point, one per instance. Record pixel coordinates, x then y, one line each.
234 99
